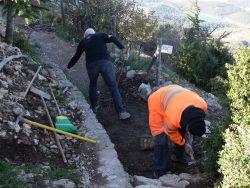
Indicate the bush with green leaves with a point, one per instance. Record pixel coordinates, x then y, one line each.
135 64
235 156
201 57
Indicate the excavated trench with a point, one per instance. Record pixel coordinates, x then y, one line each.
127 134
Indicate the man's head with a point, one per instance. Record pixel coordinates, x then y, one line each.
197 128
194 119
88 32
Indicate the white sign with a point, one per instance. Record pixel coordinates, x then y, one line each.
167 49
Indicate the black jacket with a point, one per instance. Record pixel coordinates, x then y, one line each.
95 48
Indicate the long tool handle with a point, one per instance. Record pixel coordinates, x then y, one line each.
192 156
59 111
33 79
52 125
59 131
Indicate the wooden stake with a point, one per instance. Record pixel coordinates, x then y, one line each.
33 79
58 109
52 125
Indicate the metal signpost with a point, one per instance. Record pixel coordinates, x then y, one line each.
164 48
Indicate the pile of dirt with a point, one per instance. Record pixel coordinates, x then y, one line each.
24 143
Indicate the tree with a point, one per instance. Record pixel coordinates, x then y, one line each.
133 24
25 8
201 57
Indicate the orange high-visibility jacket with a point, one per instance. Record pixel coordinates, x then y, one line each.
165 109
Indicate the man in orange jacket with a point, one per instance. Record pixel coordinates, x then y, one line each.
174 113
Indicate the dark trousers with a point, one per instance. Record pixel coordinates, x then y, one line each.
161 154
106 69
162 158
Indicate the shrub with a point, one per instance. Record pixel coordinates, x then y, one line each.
133 61
235 156
213 144
20 41
49 16
200 57
215 141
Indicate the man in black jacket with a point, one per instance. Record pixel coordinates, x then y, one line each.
98 61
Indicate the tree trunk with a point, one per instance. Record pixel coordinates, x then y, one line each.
9 28
78 17
62 14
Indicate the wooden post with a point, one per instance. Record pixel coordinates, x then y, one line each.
62 13
113 27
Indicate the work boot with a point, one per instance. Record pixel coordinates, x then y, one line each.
124 115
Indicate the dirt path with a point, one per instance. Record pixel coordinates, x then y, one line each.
61 52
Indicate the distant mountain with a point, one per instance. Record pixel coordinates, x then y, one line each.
232 11
234 14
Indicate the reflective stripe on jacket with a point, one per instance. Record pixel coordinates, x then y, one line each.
165 109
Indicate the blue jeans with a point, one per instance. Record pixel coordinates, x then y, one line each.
161 154
106 69
162 158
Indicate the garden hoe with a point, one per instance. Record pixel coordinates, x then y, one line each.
21 118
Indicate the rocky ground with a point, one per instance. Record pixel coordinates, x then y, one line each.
25 144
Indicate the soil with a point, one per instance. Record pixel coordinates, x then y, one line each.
124 134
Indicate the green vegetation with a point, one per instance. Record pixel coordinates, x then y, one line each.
28 9
133 25
9 174
135 64
235 156
200 57
63 173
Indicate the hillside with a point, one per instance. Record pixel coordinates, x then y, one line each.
229 10
234 16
